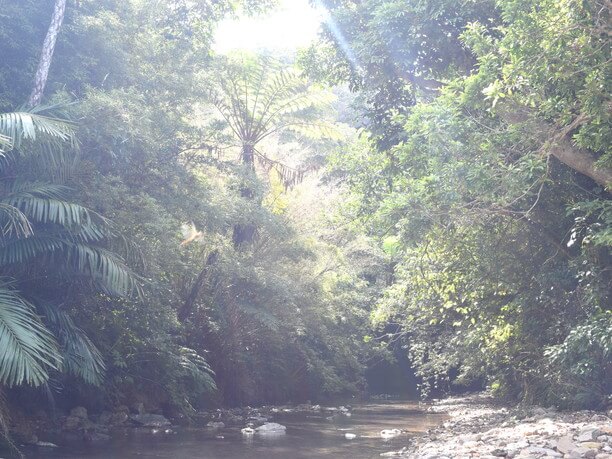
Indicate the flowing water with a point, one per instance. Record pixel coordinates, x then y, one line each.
309 435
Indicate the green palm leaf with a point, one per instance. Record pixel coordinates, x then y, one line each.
17 127
56 211
44 203
27 349
13 222
104 267
81 357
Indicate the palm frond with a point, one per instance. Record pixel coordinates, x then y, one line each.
46 210
6 143
28 188
17 127
13 222
81 357
27 349
44 203
104 267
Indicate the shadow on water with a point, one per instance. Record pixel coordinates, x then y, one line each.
309 435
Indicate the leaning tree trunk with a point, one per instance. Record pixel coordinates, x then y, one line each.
46 54
244 233
187 308
558 143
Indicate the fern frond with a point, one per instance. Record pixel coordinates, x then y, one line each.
196 367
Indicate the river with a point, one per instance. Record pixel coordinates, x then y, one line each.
308 436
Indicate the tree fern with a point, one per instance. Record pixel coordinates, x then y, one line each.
262 99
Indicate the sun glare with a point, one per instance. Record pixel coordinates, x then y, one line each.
294 24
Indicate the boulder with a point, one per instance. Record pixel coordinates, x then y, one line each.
271 428
73 423
247 431
215 425
565 444
138 408
588 434
105 417
118 418
79 412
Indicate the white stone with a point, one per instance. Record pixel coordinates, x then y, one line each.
390 433
271 428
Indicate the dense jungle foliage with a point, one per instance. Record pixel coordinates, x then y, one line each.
429 181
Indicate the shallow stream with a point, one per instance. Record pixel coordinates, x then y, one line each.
308 436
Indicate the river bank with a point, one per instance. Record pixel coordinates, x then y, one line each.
479 427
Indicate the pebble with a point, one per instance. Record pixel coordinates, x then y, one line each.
480 428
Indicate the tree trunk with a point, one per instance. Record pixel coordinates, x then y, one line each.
46 54
558 143
245 233
579 159
187 308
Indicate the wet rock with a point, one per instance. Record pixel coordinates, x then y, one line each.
79 412
150 420
271 428
390 433
138 408
257 420
96 437
233 419
215 424
118 418
105 417
45 444
122 409
73 423
247 431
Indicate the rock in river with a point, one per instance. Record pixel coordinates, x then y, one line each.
150 420
271 428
